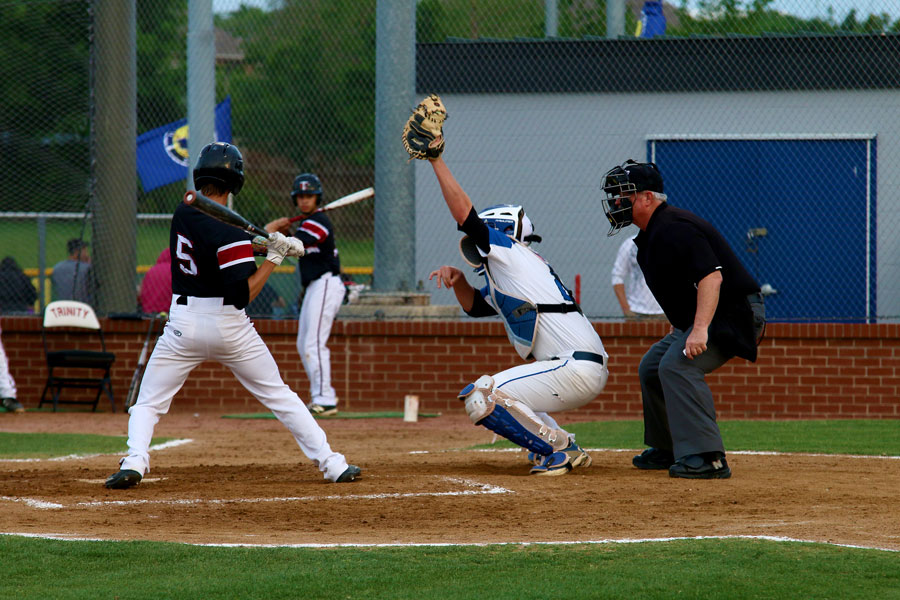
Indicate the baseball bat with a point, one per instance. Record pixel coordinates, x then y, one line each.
222 213
138 375
344 201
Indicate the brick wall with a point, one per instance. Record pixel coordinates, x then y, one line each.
804 370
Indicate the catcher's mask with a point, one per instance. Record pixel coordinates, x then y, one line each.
309 184
220 164
511 220
620 184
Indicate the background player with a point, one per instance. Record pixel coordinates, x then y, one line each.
214 276
629 286
320 270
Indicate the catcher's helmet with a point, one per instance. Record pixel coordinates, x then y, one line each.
511 220
309 184
620 183
222 164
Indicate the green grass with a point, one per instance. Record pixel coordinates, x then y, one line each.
727 569
850 436
20 240
49 445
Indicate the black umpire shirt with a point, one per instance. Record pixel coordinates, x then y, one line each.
676 251
317 235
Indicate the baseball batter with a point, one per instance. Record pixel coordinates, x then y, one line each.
214 276
542 321
320 270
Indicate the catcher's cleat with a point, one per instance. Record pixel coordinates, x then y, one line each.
654 459
123 479
12 405
563 461
535 458
701 466
322 411
351 474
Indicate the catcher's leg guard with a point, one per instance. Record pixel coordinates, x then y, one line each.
498 412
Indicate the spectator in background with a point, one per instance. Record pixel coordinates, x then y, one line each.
156 288
71 277
267 304
17 294
8 386
631 289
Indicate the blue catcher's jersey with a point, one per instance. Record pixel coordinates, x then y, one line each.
518 273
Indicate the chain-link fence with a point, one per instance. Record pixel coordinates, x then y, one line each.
776 120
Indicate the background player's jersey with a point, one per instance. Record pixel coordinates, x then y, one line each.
209 258
317 235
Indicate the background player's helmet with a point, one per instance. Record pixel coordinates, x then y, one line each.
622 181
221 164
307 183
511 220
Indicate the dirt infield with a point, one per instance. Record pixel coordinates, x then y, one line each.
246 482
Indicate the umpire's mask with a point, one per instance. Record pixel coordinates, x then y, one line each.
620 184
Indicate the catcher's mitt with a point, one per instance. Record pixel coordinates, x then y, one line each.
422 135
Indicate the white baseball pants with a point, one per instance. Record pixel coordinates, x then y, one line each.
203 330
550 386
321 303
7 383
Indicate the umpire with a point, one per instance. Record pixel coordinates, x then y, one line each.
715 309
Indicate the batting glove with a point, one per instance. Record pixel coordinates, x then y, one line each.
296 247
277 248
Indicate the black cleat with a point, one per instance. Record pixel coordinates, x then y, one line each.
12 405
124 479
352 473
700 466
654 459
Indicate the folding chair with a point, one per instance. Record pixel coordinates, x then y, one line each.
67 322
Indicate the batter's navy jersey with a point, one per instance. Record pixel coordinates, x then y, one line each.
209 258
317 235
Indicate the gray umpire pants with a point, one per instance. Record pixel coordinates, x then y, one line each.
679 414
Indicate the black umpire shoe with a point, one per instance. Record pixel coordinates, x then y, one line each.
351 473
124 479
711 465
654 459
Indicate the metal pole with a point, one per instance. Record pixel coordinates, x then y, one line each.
114 129
551 18
42 261
201 80
395 218
615 18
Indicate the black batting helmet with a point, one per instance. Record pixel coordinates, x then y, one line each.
221 164
309 184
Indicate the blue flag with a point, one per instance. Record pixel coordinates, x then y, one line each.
162 153
653 21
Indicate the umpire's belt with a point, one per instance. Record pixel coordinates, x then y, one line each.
581 355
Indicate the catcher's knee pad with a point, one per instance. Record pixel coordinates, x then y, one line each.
475 395
501 414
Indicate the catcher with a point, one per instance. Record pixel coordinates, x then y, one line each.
542 319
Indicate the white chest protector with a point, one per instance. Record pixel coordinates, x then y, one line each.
521 315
